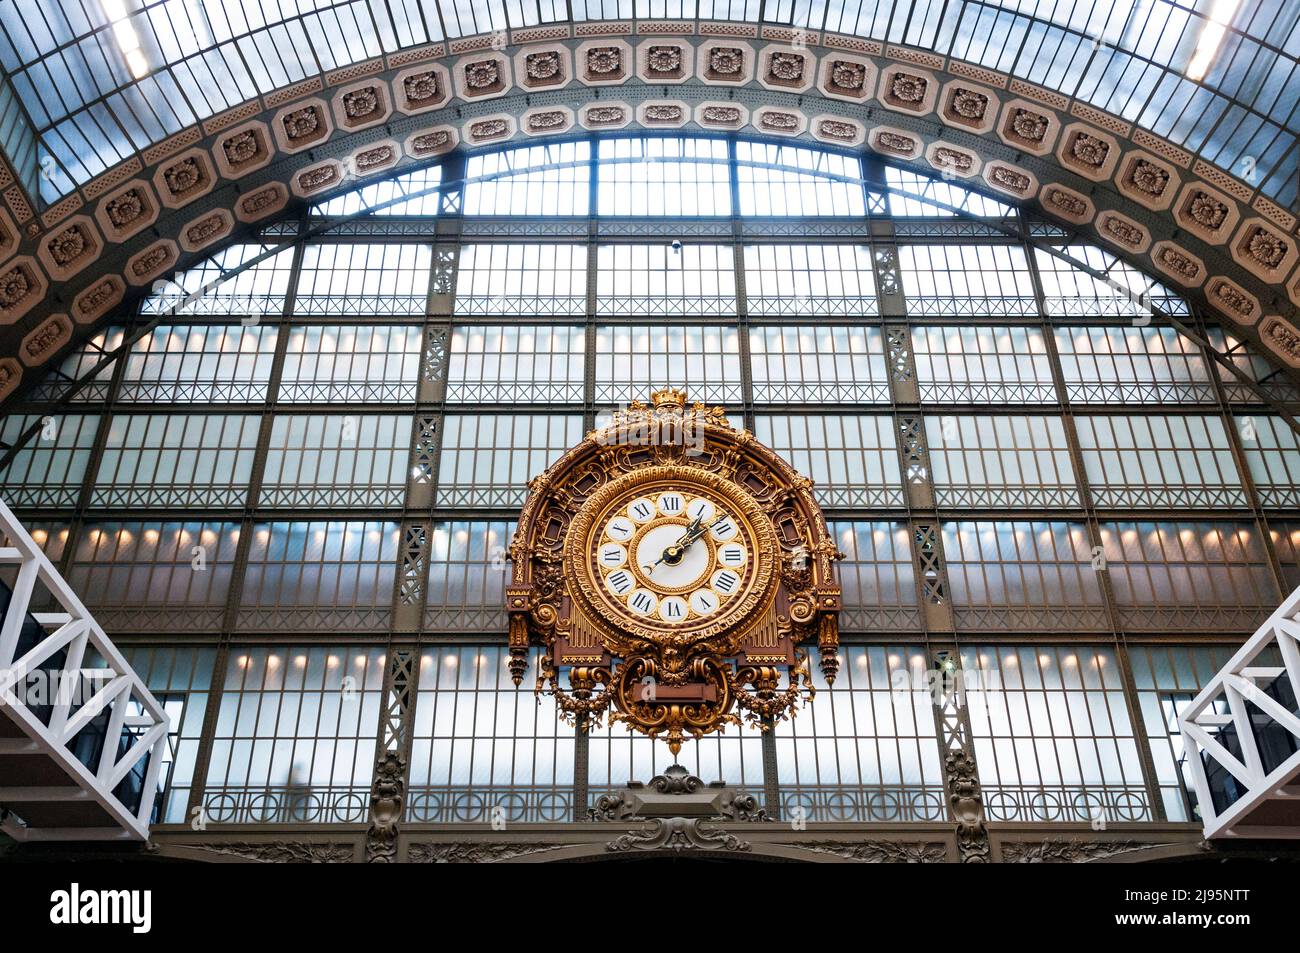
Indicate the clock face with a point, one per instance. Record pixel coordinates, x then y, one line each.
673 556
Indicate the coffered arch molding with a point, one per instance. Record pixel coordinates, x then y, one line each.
89 259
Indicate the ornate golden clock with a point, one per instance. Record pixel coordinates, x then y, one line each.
672 566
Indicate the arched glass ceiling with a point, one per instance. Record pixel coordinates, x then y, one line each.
73 64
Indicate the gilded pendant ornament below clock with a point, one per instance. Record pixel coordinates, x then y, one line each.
672 566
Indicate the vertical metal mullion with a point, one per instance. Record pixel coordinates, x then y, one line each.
581 771
1242 463
1117 636
742 292
771 771
77 520
589 324
401 619
320 708
767 737
430 402
240 565
582 731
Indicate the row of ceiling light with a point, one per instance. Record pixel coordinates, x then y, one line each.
1207 46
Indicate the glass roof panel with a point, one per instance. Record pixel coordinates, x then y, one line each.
67 62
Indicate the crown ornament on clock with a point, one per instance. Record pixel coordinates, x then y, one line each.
666 405
673 573
668 397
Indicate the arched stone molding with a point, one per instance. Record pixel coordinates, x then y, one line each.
1150 202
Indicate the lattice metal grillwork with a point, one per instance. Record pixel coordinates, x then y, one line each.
48 472
175 460
320 575
1272 451
78 364
295 741
351 364
877 576
632 360
168 576
818 365
482 750
1023 575
855 460
1052 735
521 279
809 361
1164 462
388 279
1194 575
983 365
515 364
982 280
488 459
468 569
809 280
199 364
1153 365
681 279
1000 462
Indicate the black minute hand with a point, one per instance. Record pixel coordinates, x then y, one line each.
695 531
691 530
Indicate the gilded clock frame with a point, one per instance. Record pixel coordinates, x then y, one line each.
734 661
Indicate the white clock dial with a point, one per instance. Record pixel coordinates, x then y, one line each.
642 510
704 602
732 555
620 528
673 609
659 570
725 582
643 602
612 555
671 503
672 558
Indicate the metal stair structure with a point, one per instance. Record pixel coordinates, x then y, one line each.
82 741
1242 735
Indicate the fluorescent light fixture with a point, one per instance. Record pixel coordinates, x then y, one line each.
1212 34
127 40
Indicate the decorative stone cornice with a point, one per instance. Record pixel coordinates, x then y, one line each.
472 853
882 851
1069 851
283 852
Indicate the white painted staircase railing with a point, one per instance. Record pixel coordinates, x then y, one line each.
82 741
1242 735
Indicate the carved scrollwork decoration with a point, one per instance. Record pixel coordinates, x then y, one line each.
765 701
678 834
967 808
585 701
386 802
